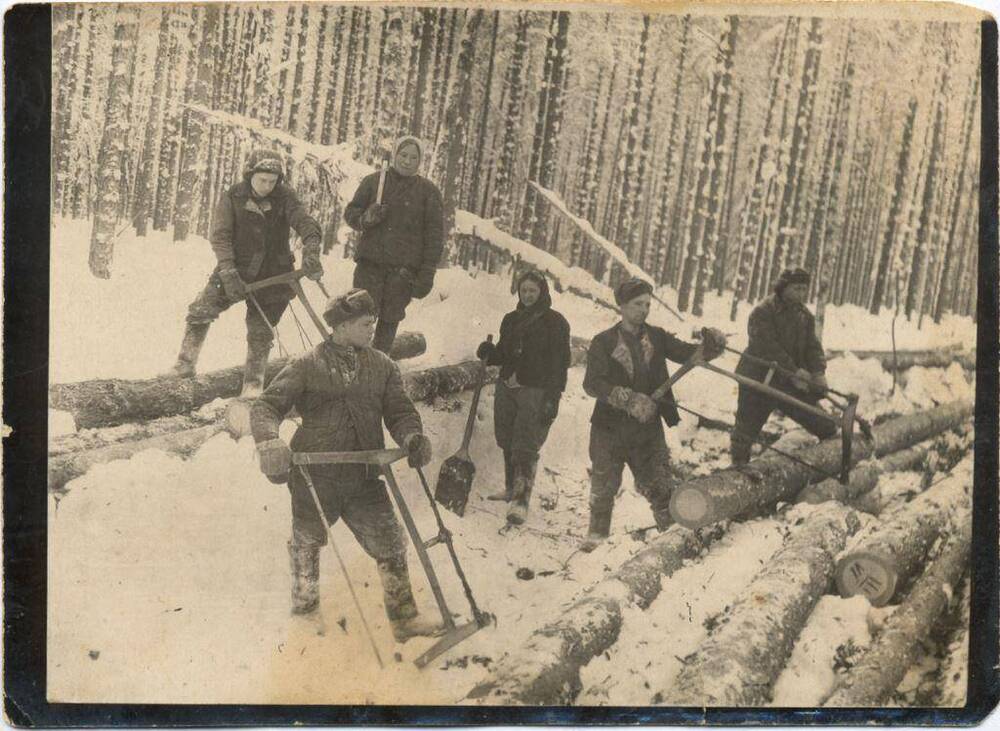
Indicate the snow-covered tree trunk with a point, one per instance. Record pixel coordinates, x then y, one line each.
192 168
502 195
349 89
111 160
295 115
473 201
741 659
736 494
630 181
391 87
882 561
878 673
885 258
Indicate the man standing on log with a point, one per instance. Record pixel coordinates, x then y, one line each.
250 236
625 365
781 330
533 355
343 390
400 216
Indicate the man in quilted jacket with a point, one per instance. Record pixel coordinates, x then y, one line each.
250 236
782 330
343 390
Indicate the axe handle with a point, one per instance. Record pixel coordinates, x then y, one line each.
381 185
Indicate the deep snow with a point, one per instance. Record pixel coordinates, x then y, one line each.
168 578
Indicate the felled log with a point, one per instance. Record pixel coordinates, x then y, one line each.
71 465
743 655
905 359
546 669
109 402
864 477
882 561
954 671
747 493
112 435
420 385
880 670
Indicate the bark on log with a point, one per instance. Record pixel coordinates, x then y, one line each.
880 670
110 402
66 467
954 672
742 657
864 477
546 669
420 385
748 493
883 560
904 359
89 439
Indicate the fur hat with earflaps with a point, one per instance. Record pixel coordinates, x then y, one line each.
355 303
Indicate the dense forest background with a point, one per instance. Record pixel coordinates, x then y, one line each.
715 150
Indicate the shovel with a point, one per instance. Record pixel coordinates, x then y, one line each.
457 472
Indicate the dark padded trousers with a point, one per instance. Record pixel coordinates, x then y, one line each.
517 419
754 409
391 292
643 448
212 302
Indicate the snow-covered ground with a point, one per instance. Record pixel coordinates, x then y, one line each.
168 578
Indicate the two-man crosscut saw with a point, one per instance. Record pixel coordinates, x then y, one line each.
383 459
845 422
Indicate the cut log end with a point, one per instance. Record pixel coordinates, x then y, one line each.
869 574
691 507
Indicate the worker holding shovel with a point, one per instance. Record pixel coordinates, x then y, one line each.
781 331
343 390
533 355
625 368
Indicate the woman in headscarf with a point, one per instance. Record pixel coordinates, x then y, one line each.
402 235
533 355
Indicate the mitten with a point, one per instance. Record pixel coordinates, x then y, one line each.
418 449
423 283
233 286
275 460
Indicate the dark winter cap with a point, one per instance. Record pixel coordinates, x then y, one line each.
632 288
265 161
791 276
356 303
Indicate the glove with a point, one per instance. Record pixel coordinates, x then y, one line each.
620 397
418 448
423 283
713 342
233 286
311 263
373 215
802 379
819 384
485 350
275 460
550 406
642 408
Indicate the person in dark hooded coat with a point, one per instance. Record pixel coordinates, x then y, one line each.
251 229
533 355
401 240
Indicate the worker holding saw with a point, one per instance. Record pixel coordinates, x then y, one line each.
625 368
533 355
250 236
399 214
343 390
781 331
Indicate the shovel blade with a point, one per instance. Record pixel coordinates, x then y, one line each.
455 483
448 641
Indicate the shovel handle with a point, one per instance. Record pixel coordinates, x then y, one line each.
473 408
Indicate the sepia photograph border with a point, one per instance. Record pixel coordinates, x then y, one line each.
27 79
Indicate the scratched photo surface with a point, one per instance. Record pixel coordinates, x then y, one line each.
659 392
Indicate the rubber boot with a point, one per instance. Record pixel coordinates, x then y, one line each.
399 605
385 335
187 359
305 577
600 527
508 480
524 482
254 368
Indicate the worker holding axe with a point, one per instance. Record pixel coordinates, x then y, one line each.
533 355
782 332
343 390
399 214
626 367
